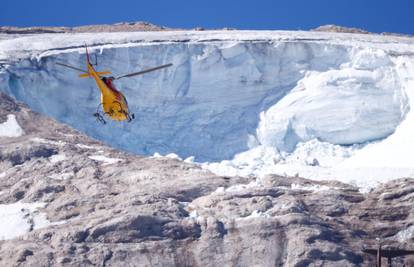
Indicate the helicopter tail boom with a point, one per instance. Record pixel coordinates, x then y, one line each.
86 75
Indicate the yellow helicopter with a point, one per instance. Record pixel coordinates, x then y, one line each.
113 102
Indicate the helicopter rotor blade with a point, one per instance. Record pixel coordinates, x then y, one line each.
71 67
144 71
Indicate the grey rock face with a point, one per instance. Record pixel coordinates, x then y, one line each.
336 28
117 27
136 211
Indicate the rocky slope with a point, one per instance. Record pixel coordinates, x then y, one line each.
341 29
336 28
117 27
109 208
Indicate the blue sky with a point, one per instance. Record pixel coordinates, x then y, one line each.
375 16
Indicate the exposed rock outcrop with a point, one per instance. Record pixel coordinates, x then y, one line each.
336 28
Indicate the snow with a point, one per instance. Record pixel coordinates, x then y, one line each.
241 187
105 159
313 188
49 44
189 159
57 158
45 141
193 214
62 176
249 103
352 124
397 150
85 146
20 218
343 106
173 156
405 235
254 215
11 127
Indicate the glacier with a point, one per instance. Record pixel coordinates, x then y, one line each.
313 104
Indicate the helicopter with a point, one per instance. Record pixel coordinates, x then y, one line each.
113 102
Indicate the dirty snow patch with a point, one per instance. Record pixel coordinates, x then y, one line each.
405 235
104 159
314 188
255 214
57 158
193 214
170 156
61 176
239 187
85 146
10 128
46 141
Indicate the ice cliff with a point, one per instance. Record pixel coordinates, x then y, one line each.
253 102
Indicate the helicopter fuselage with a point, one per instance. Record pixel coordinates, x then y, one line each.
113 102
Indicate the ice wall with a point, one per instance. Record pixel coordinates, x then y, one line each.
223 97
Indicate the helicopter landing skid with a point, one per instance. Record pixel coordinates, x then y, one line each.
99 118
130 117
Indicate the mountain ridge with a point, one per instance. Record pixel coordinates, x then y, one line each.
147 26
